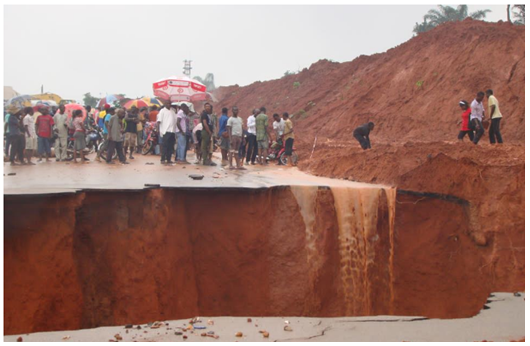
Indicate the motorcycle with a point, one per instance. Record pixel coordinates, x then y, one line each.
279 153
93 139
152 138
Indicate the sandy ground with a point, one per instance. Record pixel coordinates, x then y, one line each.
503 321
60 177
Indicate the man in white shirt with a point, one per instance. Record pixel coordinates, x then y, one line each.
61 129
181 131
31 135
252 150
477 114
167 122
234 127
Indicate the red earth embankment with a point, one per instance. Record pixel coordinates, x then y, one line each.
411 92
109 258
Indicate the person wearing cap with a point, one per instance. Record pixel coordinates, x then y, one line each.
477 115
44 127
16 135
362 134
495 117
465 130
105 120
224 135
61 129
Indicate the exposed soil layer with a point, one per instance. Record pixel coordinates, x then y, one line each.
108 258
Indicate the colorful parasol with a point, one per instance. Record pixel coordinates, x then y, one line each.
153 101
71 107
109 100
180 89
135 103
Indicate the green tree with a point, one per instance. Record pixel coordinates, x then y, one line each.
518 14
444 14
90 100
208 81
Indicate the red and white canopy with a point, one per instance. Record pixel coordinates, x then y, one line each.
179 89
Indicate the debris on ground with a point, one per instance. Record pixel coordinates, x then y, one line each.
196 176
149 163
128 326
66 337
239 334
156 325
288 328
118 337
210 322
19 339
249 320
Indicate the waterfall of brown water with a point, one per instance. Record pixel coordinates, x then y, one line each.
391 203
356 211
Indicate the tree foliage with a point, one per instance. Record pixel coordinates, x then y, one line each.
90 100
208 81
444 14
518 14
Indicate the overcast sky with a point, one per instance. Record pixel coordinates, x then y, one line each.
103 50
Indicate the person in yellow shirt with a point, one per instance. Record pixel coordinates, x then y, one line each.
288 138
495 117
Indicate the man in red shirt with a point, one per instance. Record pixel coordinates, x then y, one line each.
153 114
44 128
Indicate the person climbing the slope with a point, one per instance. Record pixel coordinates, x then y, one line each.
362 134
465 130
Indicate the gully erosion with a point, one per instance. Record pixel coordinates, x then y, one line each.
262 243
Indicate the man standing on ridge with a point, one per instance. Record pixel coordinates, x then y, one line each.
477 115
495 117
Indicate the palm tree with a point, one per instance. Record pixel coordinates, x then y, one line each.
518 14
209 81
444 14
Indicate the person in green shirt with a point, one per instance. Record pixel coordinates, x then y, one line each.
263 136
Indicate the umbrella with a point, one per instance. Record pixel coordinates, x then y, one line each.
20 101
136 103
180 89
110 99
71 107
152 101
48 103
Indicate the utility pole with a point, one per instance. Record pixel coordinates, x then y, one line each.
42 89
508 13
187 68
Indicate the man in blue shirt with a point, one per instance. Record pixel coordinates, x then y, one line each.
223 134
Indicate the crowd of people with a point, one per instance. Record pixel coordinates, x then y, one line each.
33 130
